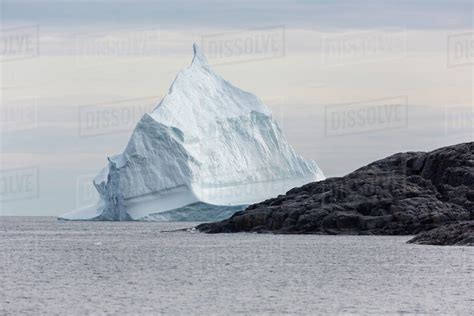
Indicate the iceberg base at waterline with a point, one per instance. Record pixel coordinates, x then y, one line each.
180 204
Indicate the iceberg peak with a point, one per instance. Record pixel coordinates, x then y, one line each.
199 57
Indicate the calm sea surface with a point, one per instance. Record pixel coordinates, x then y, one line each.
100 268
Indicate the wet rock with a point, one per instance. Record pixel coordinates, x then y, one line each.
456 234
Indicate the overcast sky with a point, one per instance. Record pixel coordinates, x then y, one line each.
413 14
67 65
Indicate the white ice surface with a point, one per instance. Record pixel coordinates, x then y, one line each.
206 141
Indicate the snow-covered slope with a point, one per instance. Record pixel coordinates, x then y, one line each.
206 143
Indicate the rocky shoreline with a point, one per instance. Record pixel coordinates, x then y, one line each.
456 234
404 194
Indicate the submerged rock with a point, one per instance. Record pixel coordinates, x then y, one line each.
455 234
403 194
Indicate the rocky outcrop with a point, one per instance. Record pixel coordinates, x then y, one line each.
403 194
456 234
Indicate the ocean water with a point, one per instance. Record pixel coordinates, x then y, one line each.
102 268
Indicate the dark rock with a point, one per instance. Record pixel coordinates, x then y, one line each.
457 234
403 194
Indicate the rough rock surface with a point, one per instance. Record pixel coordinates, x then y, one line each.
403 194
456 234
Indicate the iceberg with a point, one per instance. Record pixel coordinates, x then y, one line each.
207 150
